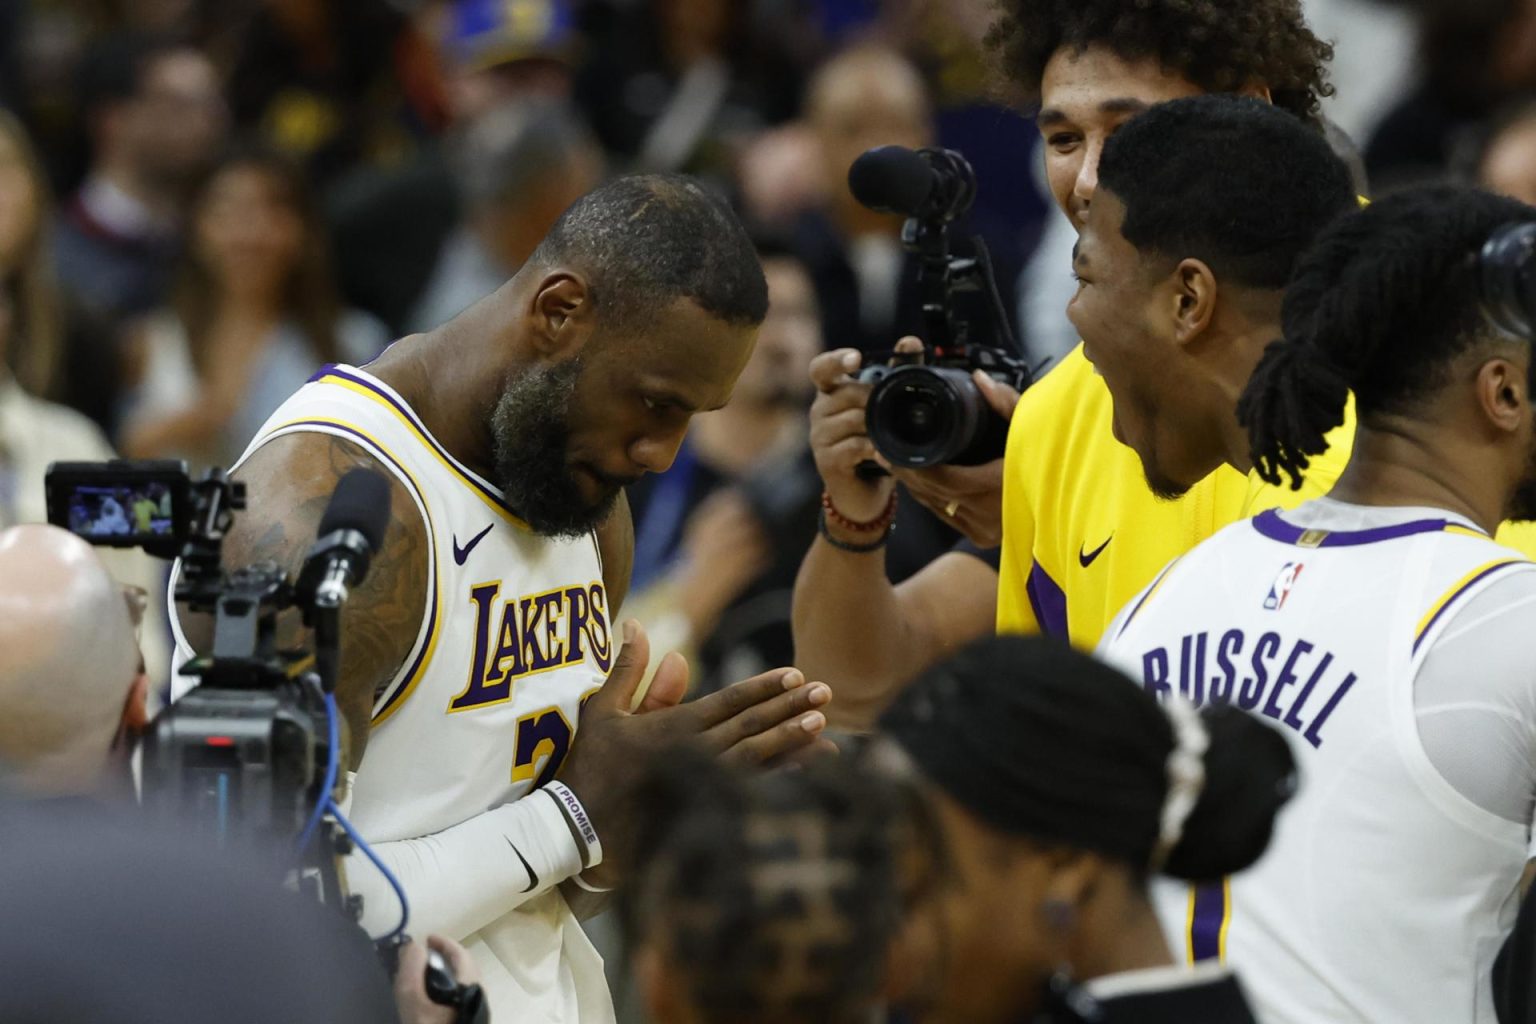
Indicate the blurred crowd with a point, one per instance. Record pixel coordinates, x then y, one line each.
203 202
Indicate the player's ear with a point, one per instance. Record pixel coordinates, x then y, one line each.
560 315
1193 299
1503 394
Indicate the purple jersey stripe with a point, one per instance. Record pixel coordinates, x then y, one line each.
426 641
1272 526
415 421
1049 602
1205 921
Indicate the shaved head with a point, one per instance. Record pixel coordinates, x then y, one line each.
869 82
68 661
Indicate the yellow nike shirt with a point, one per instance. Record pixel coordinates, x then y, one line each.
1082 533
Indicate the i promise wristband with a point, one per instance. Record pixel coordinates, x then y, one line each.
577 815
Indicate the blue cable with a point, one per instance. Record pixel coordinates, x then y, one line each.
389 876
332 767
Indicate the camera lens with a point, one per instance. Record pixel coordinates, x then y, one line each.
923 416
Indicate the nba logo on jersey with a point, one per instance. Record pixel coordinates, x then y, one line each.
1281 588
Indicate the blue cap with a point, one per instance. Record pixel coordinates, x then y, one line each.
485 33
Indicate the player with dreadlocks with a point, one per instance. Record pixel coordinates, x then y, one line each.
1381 626
776 899
1081 531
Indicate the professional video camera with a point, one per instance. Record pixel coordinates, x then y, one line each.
925 409
251 754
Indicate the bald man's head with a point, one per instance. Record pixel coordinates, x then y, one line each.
863 98
68 661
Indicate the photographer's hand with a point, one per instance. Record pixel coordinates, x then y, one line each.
755 722
838 438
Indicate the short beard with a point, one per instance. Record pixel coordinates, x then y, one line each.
1161 486
530 446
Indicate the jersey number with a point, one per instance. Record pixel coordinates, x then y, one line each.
542 741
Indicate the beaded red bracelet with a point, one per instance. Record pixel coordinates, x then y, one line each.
880 522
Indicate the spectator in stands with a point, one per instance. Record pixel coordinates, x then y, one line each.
156 119
253 316
858 100
675 85
777 899
519 165
712 575
321 81
35 432
390 224
1474 57
1502 156
1060 787
72 708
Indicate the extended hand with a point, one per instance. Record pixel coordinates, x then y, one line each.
756 722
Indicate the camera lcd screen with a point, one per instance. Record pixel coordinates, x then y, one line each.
119 504
119 513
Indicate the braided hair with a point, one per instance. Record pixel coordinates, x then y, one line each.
1044 743
1381 306
776 897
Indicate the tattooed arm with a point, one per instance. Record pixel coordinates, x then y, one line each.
289 481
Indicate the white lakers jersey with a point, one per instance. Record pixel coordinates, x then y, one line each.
1385 893
485 706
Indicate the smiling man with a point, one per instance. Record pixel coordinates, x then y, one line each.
1203 207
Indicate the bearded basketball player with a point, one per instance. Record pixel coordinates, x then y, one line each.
484 624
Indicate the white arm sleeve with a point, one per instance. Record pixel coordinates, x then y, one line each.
461 879
1479 727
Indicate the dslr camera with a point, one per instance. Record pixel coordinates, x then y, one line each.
925 409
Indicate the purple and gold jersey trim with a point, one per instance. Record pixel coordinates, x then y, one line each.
396 697
1270 525
1210 914
1467 582
337 377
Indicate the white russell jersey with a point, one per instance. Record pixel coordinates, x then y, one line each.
1385 893
484 708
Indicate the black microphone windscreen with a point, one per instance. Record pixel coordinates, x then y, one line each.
892 179
361 503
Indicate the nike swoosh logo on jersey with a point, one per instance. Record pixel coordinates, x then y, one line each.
461 553
533 876
1085 560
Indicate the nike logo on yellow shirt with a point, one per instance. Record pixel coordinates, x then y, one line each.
1086 560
